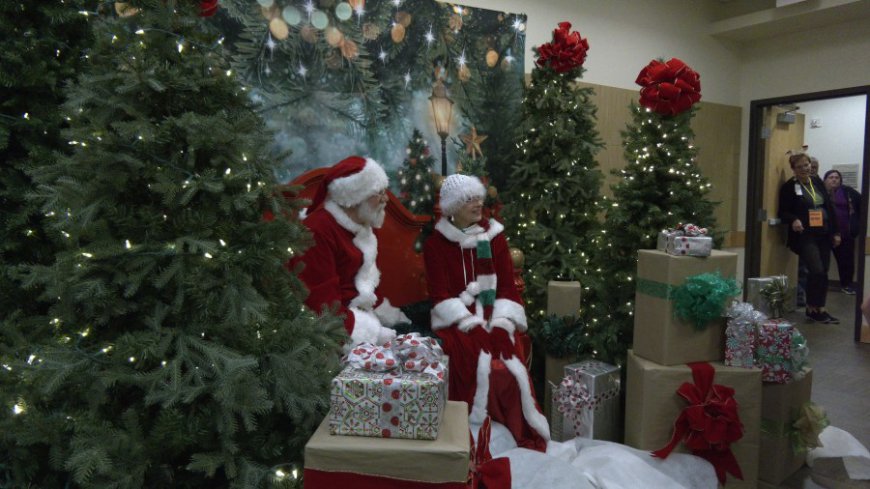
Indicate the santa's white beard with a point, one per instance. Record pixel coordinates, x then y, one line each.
373 215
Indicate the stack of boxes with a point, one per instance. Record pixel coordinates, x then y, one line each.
665 344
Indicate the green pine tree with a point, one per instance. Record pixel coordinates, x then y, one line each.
181 354
42 45
660 187
554 184
417 188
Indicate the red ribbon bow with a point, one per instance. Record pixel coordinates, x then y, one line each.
709 424
669 87
484 471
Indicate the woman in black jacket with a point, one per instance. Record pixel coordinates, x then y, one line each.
847 207
804 206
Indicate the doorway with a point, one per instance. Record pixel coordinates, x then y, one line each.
775 126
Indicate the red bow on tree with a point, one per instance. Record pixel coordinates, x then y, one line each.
207 8
709 424
484 471
669 88
565 52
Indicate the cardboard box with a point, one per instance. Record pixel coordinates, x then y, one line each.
335 461
652 406
387 404
780 404
659 335
563 298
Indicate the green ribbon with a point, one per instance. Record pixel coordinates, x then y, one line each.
702 298
652 288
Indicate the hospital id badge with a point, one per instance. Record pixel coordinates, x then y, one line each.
816 218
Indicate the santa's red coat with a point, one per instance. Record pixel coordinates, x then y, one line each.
487 369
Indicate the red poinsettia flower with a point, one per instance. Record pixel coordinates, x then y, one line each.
669 88
566 52
207 8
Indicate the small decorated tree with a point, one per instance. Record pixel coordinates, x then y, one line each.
660 187
417 188
554 185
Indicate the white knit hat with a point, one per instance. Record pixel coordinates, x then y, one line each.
457 190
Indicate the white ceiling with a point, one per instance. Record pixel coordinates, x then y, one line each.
767 20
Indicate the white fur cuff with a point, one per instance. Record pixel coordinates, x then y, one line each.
389 314
447 312
506 308
505 324
466 298
470 322
366 327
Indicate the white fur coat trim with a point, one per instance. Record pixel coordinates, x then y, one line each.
506 308
530 411
474 234
368 276
481 393
365 327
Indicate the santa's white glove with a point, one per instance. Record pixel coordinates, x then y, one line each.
385 335
471 290
390 315
470 322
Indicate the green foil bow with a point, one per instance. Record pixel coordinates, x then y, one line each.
703 298
776 295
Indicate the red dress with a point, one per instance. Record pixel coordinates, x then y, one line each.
487 365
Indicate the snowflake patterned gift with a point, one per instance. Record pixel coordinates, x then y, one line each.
774 350
741 335
395 391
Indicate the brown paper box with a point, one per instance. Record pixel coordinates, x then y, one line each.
442 460
563 298
659 335
779 409
652 406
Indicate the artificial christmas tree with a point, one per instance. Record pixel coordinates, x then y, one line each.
555 181
417 188
181 354
660 187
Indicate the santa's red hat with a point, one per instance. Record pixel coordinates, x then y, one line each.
350 181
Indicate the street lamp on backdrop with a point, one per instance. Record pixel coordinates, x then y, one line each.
442 111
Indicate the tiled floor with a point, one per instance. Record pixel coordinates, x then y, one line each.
841 375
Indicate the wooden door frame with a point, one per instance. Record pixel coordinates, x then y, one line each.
755 183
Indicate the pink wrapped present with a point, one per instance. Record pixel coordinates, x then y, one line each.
773 352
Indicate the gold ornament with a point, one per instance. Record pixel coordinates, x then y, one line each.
492 191
355 4
491 58
279 29
349 49
472 142
270 12
125 9
517 257
464 73
397 33
370 31
455 22
403 18
334 36
308 34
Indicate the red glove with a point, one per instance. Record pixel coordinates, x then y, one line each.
501 344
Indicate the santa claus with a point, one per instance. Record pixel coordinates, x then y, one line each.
478 314
340 268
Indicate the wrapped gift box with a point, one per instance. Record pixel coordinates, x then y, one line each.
741 341
391 404
754 286
689 245
780 406
596 413
659 335
369 463
652 406
773 352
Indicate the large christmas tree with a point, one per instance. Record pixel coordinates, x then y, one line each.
660 187
42 44
554 184
180 353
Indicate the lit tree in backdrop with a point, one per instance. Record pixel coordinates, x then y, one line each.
43 44
181 354
555 182
416 186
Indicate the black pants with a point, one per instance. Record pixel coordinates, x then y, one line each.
845 256
815 253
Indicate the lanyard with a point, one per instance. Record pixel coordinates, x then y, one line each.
811 190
